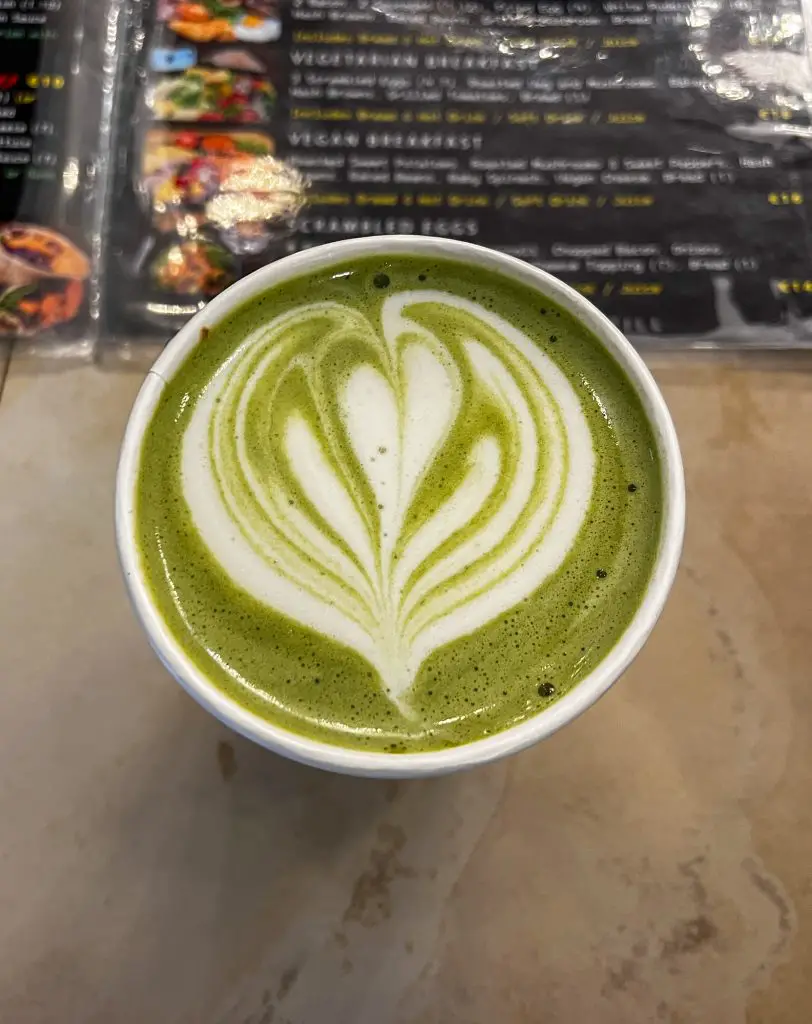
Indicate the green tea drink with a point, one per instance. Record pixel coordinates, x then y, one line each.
398 504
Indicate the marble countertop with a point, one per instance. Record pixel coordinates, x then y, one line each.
650 863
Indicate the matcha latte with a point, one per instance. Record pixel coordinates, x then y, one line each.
397 504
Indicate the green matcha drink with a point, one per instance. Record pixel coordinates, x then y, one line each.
398 504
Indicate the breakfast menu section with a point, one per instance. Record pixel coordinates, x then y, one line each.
44 263
652 153
655 154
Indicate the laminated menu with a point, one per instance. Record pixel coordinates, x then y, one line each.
655 154
45 137
203 195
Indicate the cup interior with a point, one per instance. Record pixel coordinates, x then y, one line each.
390 765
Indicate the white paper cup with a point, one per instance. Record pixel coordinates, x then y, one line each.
383 765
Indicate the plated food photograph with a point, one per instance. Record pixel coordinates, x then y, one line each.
193 268
212 94
42 277
222 21
229 181
188 168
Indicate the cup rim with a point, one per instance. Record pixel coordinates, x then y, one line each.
318 753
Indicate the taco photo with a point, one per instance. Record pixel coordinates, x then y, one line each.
42 277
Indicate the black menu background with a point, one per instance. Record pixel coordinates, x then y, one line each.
50 67
655 154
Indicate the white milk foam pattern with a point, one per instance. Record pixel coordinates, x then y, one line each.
328 564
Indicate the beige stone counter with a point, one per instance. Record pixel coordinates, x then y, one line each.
651 863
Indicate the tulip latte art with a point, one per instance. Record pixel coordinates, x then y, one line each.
398 504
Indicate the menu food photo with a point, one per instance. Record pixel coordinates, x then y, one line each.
654 154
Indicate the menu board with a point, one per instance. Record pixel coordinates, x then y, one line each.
655 154
44 252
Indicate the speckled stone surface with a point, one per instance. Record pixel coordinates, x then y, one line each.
650 863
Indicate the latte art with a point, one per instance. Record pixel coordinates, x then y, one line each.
307 486
397 504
